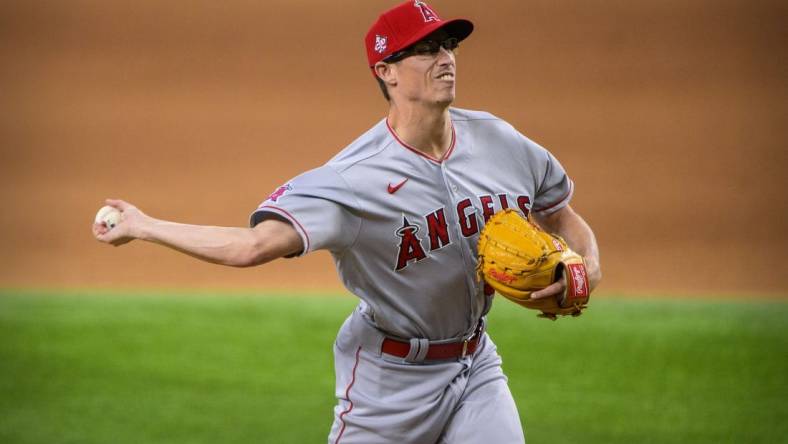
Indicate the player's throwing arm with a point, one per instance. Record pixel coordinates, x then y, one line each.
122 222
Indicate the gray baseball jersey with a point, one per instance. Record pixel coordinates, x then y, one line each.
403 227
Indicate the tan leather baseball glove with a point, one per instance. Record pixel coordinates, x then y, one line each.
516 258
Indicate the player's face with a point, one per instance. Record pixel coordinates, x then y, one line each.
428 73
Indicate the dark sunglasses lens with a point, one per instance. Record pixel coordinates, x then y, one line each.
450 43
432 47
426 47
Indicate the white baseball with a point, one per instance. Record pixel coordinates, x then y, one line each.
109 216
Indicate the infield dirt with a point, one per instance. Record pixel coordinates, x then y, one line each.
670 117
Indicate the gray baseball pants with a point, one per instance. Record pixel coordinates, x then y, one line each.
384 399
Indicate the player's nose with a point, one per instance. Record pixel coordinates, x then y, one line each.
445 57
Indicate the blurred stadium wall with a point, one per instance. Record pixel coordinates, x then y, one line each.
669 115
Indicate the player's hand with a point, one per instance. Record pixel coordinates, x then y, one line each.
553 290
129 227
557 288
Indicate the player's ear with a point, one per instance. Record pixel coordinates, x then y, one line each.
386 73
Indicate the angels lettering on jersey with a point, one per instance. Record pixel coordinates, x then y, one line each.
415 245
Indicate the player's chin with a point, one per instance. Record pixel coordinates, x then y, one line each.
444 98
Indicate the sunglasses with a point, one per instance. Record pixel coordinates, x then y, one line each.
423 48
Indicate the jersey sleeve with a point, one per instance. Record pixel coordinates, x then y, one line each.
553 186
319 205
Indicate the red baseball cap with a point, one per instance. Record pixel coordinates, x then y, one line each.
406 24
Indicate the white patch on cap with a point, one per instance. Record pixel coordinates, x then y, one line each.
381 42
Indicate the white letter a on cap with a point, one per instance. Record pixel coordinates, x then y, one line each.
426 12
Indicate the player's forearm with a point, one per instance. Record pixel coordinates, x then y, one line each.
237 247
579 236
233 246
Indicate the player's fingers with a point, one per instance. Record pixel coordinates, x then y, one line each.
122 205
549 291
112 237
99 228
103 238
107 237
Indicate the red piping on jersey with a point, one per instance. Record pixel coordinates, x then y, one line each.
347 396
420 153
571 187
293 219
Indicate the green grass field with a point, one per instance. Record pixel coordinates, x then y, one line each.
159 368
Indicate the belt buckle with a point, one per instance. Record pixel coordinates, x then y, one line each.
473 336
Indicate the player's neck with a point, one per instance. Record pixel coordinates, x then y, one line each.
425 129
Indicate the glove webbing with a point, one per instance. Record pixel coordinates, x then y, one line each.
531 260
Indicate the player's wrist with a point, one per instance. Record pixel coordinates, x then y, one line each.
144 228
593 271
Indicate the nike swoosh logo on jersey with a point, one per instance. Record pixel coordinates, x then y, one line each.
393 188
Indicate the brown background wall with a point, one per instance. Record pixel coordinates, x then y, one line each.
670 116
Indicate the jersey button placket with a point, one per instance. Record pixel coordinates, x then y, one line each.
454 199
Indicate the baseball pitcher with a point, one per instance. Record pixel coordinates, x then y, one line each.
426 215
